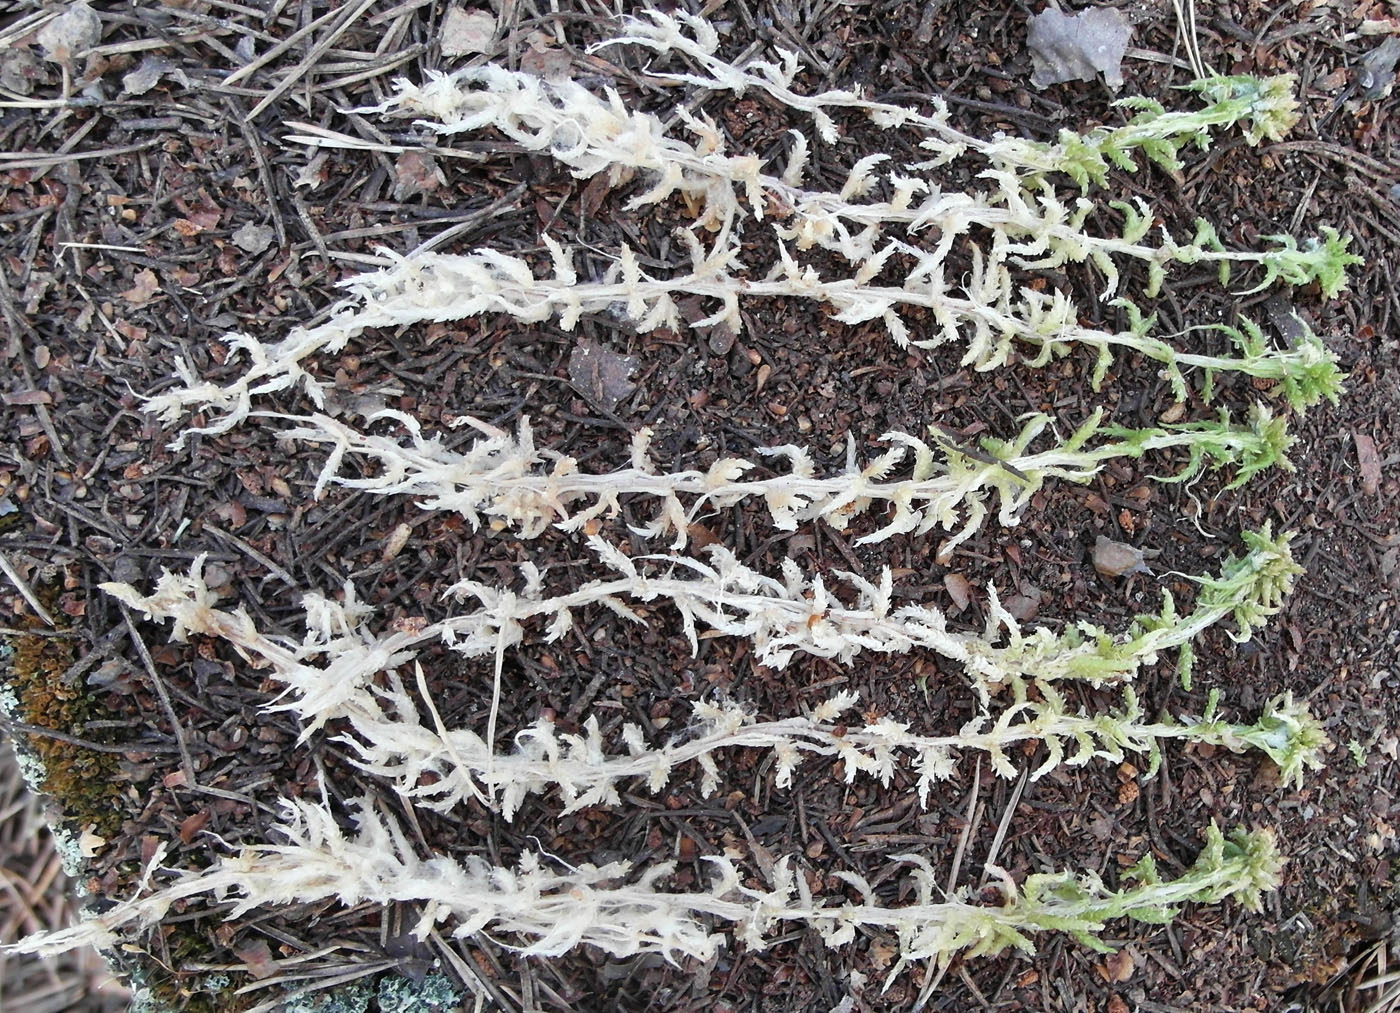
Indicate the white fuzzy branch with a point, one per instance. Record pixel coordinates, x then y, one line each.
505 481
438 769
548 913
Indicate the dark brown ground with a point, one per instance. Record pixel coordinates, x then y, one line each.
167 177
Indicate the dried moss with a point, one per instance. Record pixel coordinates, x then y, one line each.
85 783
192 991
209 992
87 786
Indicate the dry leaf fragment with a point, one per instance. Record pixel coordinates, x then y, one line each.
701 536
193 824
543 59
1023 606
720 337
883 951
416 172
252 238
25 398
257 958
1175 413
1336 80
1390 567
1120 966
89 842
593 194
1370 463
1118 559
1075 48
147 75
70 34
465 32
1377 71
20 72
205 214
314 173
600 374
144 287
958 589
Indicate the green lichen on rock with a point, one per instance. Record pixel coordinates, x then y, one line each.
352 998
189 993
434 994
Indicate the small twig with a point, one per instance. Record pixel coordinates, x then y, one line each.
25 591
99 650
470 975
26 25
383 67
314 233
972 812
506 200
1001 828
12 160
13 728
253 553
309 61
967 980
265 175
323 984
186 763
394 12
277 50
41 412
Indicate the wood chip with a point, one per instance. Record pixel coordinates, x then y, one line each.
1370 463
27 397
1117 559
600 374
465 32
396 541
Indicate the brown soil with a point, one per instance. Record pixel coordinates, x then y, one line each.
118 254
